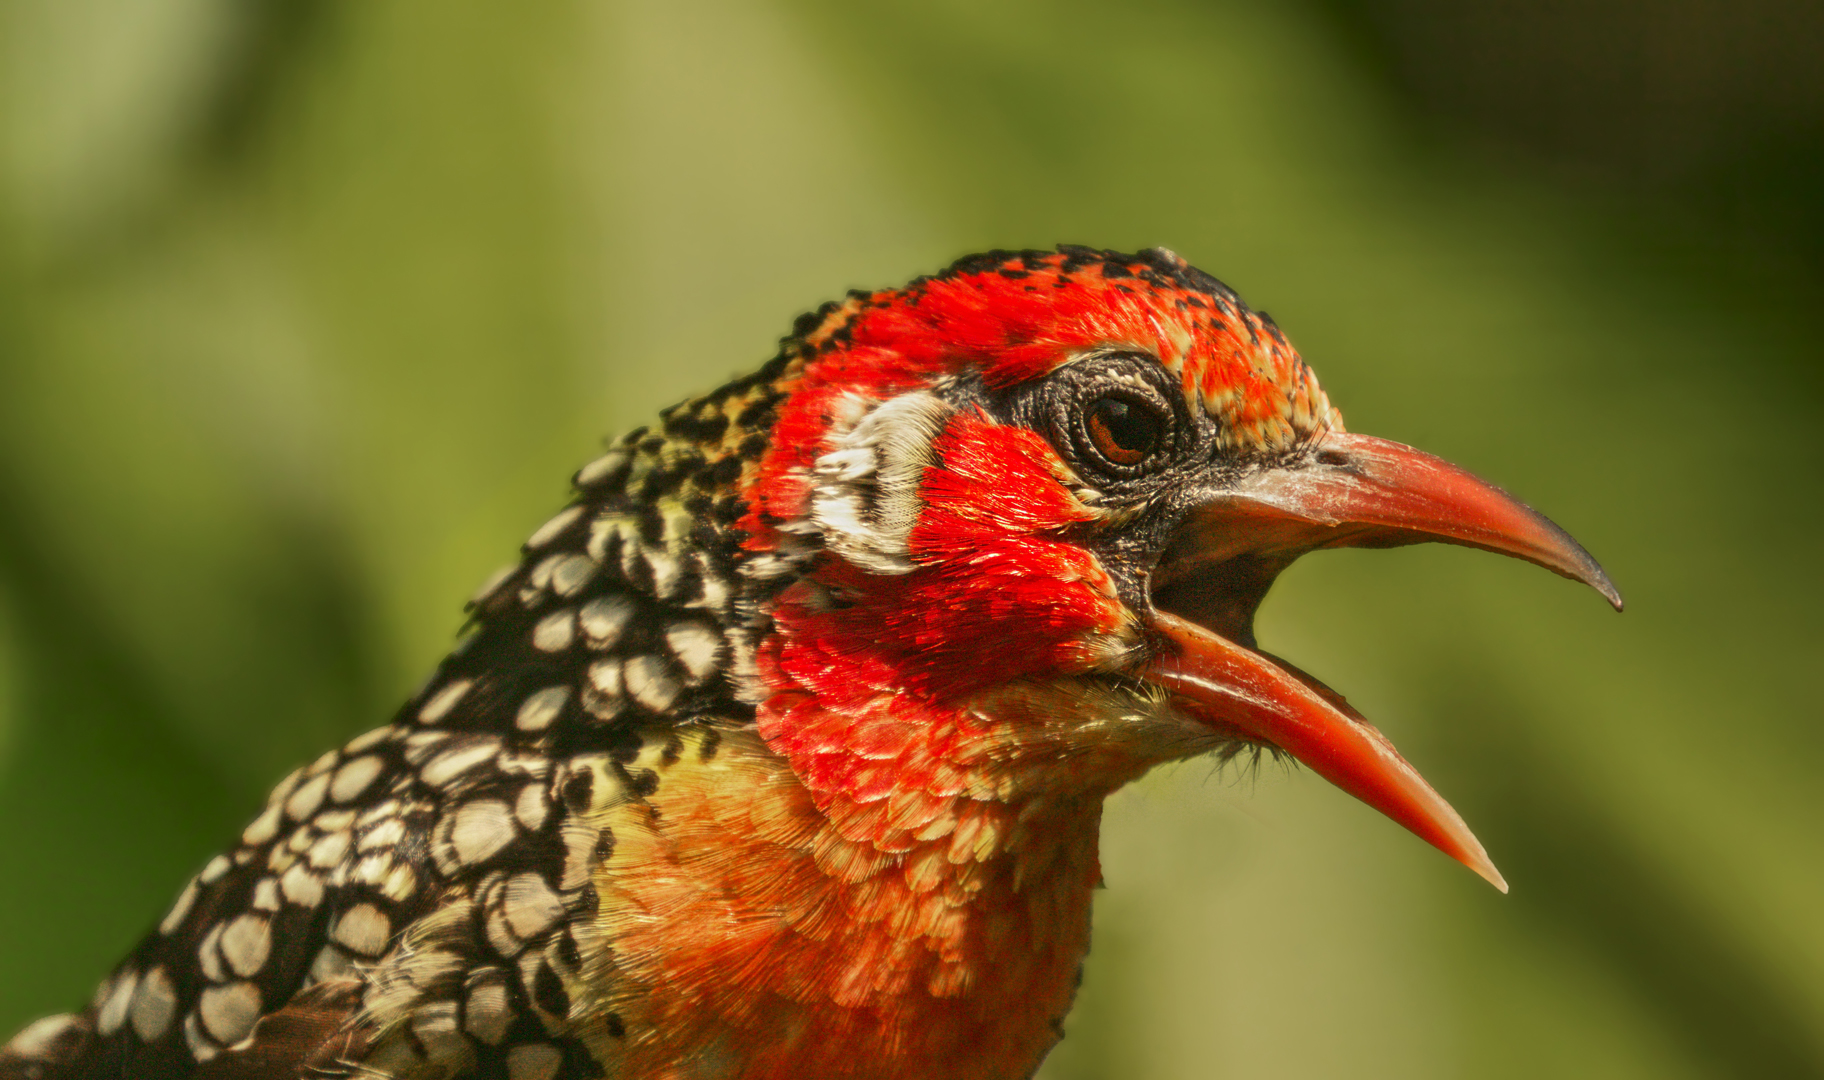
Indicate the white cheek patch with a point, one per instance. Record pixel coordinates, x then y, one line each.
864 497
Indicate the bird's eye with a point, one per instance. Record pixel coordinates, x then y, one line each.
1124 431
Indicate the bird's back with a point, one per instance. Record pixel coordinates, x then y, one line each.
435 877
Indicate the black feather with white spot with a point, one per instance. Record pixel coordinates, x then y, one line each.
417 897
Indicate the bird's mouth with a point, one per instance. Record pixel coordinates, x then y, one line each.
1349 491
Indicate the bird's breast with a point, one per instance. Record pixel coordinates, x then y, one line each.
747 928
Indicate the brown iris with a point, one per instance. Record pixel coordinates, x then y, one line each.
1123 430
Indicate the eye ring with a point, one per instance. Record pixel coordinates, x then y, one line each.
1123 431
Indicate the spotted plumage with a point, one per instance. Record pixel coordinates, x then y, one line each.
781 750
438 863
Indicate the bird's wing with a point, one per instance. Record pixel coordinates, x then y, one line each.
417 894
409 866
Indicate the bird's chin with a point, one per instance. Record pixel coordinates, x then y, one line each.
1348 491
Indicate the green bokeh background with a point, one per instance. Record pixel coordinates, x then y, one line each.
307 309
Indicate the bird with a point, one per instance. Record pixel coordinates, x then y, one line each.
781 751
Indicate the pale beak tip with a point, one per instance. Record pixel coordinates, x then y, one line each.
1484 868
1580 565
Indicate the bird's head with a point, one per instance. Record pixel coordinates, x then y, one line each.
1021 514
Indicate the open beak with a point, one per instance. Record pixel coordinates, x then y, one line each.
1352 491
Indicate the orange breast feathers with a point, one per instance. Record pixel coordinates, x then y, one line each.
752 927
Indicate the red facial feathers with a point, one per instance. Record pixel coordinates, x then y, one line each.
1017 317
857 658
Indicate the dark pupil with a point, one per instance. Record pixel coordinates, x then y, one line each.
1124 432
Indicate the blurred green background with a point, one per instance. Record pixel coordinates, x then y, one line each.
307 309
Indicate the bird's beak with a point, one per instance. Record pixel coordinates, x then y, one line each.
1350 491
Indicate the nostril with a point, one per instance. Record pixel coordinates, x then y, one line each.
1332 457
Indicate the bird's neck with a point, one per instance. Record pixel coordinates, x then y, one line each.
888 874
896 908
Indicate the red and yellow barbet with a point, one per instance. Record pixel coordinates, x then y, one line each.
782 753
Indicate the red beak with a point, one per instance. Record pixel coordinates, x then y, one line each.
1355 491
